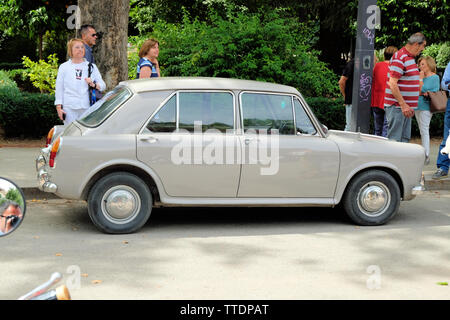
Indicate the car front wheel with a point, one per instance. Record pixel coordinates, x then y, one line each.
120 202
372 198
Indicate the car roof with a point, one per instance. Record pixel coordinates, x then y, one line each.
204 83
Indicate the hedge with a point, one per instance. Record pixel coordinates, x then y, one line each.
26 115
33 114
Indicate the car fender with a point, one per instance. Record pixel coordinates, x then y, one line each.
343 181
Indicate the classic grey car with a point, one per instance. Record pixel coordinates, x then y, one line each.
220 142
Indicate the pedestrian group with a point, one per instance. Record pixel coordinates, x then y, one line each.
401 89
79 83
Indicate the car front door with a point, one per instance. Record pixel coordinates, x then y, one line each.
296 162
190 142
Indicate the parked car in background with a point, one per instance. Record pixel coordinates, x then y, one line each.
220 142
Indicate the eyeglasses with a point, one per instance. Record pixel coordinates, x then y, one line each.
94 35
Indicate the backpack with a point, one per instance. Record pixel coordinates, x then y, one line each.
92 91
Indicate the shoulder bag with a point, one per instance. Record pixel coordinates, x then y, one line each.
438 101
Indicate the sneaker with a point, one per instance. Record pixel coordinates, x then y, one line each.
440 173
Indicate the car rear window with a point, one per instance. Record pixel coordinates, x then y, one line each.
103 108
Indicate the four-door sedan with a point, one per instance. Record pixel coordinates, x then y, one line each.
220 142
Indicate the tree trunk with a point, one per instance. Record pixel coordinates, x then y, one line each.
40 45
111 22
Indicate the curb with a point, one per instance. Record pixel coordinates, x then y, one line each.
434 185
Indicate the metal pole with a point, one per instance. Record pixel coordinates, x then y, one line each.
368 20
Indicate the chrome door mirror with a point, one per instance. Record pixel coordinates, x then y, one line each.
12 206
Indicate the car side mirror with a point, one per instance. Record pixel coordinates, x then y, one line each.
324 128
12 206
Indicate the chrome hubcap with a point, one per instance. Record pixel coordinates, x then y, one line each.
121 204
374 198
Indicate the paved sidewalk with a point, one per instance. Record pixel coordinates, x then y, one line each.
428 170
18 165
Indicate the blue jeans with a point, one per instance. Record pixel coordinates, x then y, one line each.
399 126
443 161
380 122
348 116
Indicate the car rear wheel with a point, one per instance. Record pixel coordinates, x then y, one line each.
372 198
120 202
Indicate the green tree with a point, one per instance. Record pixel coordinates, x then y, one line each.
266 47
14 195
401 18
335 19
42 73
33 18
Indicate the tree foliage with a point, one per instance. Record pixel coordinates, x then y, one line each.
42 73
440 52
34 19
402 18
336 19
265 47
14 195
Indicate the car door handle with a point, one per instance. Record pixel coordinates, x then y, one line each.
149 139
248 140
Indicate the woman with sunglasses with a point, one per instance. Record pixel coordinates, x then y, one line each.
73 82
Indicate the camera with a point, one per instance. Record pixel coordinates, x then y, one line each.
14 220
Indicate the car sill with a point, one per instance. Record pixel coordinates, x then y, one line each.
266 202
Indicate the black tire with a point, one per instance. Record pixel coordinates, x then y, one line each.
372 198
120 202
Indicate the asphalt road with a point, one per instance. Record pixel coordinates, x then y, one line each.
234 253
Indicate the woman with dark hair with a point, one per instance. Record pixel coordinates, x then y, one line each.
148 66
378 90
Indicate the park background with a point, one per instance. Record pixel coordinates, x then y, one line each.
303 44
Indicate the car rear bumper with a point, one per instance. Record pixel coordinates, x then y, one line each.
43 177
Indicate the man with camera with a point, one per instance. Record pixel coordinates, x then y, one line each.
10 216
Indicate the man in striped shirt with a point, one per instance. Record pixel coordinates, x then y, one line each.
402 89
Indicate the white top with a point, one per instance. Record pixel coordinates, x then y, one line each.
72 90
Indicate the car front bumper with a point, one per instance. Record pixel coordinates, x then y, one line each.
417 190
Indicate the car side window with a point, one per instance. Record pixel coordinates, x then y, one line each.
302 120
213 110
165 119
267 112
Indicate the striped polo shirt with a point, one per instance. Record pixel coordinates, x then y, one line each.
404 68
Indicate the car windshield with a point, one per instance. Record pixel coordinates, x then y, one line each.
103 108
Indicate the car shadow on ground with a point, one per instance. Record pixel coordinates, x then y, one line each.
239 221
